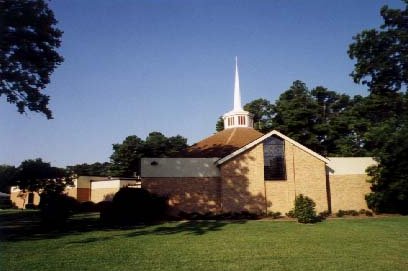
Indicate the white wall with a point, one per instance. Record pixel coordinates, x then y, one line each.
349 165
85 181
179 167
115 183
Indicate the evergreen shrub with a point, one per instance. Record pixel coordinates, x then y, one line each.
304 209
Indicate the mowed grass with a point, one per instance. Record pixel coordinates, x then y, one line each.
340 244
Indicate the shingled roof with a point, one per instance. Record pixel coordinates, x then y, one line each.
222 143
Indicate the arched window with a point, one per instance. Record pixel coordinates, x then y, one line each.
274 159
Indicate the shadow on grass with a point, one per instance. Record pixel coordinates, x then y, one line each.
23 226
198 227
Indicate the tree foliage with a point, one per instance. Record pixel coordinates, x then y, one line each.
8 177
36 175
28 56
296 115
95 169
126 155
219 126
263 112
382 55
382 65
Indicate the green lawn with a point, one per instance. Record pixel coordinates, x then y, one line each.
341 244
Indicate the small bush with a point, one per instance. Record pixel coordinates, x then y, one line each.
274 215
368 213
324 215
290 214
353 212
305 209
341 213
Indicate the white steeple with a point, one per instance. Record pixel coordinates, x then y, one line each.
237 92
237 117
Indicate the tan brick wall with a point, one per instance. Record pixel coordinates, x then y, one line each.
72 192
20 199
305 174
348 191
310 177
102 194
189 195
243 187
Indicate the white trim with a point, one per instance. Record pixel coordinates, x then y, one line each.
259 140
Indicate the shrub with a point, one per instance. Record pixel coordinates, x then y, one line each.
134 205
368 213
305 209
106 213
362 211
274 215
324 215
55 208
290 214
341 213
88 206
353 212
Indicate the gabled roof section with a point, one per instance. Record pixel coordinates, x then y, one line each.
259 140
222 143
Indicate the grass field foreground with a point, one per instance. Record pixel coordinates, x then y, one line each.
338 244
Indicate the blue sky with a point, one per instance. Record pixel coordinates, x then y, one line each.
132 67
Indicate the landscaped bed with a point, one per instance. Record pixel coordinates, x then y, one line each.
334 244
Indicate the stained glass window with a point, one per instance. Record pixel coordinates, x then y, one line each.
274 158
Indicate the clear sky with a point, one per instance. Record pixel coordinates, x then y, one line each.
132 67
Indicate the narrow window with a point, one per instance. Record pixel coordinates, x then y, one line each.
243 120
274 159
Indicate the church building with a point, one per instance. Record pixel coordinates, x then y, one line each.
235 170
240 169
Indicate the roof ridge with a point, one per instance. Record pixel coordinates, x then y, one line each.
231 135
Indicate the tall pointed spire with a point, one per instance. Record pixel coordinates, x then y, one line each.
237 117
237 92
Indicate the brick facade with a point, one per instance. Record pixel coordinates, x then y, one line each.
188 194
348 191
242 187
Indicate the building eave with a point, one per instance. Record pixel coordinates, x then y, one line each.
259 140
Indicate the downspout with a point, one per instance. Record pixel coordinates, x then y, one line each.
266 199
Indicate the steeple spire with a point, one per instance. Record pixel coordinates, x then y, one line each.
237 92
237 117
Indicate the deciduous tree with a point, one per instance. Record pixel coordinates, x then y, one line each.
382 65
36 175
382 54
28 55
126 156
